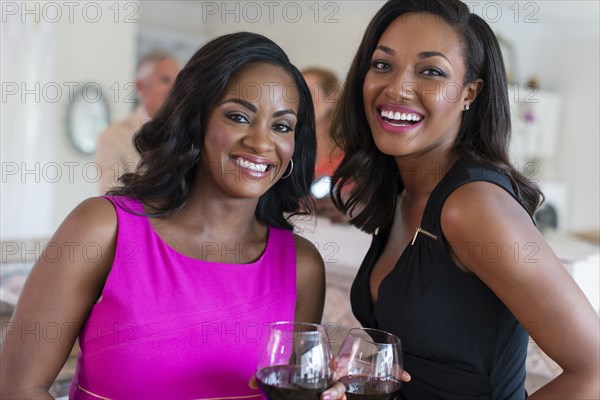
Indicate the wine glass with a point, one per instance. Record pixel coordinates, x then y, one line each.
296 362
370 364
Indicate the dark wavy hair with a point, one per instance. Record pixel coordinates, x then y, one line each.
170 145
484 135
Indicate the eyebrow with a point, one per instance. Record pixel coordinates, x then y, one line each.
241 102
253 108
422 55
284 112
427 54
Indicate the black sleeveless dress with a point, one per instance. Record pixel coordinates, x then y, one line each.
459 340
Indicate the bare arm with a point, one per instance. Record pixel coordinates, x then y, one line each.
537 289
310 282
62 287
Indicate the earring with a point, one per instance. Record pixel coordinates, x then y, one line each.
291 169
467 106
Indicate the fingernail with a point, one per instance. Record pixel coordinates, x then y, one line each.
326 396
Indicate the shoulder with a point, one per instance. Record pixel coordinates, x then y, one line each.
85 247
98 209
92 226
95 218
473 201
481 217
309 263
64 283
310 281
306 253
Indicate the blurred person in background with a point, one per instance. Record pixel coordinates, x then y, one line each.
325 87
115 153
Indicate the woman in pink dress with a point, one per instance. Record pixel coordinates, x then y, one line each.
186 264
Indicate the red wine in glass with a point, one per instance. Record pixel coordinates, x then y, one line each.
362 387
278 382
295 363
371 365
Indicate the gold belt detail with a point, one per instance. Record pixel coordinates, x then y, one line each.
252 396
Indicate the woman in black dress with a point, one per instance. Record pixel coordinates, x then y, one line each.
457 268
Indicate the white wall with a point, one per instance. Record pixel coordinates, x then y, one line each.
326 35
312 33
558 43
103 53
89 42
577 162
26 148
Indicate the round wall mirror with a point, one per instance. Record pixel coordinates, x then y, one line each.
88 115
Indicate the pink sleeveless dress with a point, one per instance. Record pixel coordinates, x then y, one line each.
172 327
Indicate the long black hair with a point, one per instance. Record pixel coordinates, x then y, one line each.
484 133
170 145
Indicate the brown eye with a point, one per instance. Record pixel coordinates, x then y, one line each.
433 72
282 128
380 65
237 117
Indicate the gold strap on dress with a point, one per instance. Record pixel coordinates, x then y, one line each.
252 396
424 232
91 394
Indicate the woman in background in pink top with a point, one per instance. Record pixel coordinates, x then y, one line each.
194 255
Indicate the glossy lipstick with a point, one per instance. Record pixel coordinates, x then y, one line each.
398 119
256 167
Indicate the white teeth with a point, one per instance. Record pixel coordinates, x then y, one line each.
398 116
250 165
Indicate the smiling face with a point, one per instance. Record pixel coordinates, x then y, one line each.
414 93
249 138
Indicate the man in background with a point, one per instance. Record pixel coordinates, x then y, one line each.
115 153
